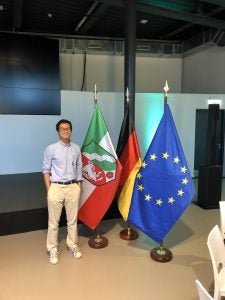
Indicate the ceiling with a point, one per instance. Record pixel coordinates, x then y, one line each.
172 21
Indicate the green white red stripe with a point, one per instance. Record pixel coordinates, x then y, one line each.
101 171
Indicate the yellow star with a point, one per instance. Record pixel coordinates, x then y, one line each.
176 160
144 164
165 155
148 197
183 169
153 157
140 187
171 200
139 175
184 181
180 192
159 202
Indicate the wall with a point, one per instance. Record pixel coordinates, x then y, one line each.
25 137
199 72
107 72
204 71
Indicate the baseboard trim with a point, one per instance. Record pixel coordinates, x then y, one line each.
37 219
23 221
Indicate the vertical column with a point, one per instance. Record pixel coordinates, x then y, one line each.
130 54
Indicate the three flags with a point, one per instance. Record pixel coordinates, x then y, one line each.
130 159
163 187
101 171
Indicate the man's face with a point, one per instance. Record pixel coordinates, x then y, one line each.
64 131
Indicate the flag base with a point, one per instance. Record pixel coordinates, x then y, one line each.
129 234
161 254
98 242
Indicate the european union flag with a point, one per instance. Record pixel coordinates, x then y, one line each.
163 186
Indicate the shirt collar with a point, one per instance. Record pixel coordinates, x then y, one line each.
63 144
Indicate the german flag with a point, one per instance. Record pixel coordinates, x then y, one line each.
130 158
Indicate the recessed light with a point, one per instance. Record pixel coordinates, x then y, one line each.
144 21
49 15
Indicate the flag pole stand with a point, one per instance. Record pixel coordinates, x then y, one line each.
98 241
128 233
161 254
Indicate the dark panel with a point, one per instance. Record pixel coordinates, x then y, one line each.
27 220
22 101
23 200
209 186
22 192
200 137
23 221
29 75
209 137
212 150
37 219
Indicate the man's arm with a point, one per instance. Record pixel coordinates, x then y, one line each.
47 180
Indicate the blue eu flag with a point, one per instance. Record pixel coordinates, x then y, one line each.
163 186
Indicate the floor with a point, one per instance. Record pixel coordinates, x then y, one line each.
123 270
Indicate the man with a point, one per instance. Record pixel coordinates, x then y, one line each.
62 170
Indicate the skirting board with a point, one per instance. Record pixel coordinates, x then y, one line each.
37 219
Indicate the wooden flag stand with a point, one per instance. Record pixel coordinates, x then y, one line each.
129 234
98 241
161 254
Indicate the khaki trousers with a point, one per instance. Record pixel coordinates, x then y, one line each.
60 195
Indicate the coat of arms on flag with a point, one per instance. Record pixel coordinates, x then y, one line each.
99 167
101 171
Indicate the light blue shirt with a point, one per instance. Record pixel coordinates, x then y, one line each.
63 162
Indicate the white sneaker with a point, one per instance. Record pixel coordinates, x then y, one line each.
75 250
53 256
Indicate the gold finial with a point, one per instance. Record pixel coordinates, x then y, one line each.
127 95
166 88
95 94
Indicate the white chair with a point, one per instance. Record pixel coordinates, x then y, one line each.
222 217
217 253
203 294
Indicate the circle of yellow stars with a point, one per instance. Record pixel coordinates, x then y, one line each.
180 192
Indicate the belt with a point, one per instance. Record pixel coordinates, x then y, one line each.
65 182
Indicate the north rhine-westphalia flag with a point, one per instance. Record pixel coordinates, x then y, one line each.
130 158
163 187
101 171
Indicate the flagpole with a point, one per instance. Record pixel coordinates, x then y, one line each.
162 254
128 233
98 241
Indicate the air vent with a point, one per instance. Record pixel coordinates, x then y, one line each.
69 44
72 45
94 45
143 48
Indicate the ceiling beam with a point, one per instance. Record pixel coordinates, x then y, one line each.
215 2
188 25
17 14
172 14
92 18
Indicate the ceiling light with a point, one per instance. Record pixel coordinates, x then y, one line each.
144 21
49 15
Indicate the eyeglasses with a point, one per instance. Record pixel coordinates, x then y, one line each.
65 129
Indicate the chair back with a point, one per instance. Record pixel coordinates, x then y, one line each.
222 218
203 294
217 253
